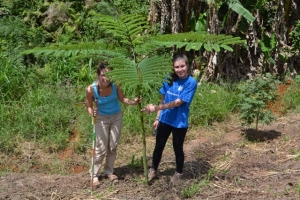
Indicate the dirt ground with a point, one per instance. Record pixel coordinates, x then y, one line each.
240 164
224 161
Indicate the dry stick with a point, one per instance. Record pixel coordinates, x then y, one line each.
94 121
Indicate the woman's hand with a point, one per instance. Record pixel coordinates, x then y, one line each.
137 100
95 112
155 124
149 108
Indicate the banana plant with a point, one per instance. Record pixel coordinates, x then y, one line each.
268 46
140 61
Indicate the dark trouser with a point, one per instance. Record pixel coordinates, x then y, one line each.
163 133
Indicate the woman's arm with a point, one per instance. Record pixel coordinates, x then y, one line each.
89 95
122 98
152 108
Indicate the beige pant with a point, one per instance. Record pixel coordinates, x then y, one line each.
108 132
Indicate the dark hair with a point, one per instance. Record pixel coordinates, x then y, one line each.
173 77
103 65
180 57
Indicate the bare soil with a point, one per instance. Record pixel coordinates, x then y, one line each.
237 163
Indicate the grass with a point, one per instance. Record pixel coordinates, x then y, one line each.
193 189
136 163
291 97
40 117
212 102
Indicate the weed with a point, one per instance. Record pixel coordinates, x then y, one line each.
285 138
226 171
138 179
237 180
210 173
193 189
136 163
225 156
241 144
106 192
298 156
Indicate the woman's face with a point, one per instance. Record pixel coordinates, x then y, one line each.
181 69
103 80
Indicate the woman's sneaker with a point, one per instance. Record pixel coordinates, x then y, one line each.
152 174
176 178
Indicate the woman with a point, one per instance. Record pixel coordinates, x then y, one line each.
109 121
172 115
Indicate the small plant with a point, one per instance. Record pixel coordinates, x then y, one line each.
255 97
136 163
297 158
237 180
106 193
193 189
210 173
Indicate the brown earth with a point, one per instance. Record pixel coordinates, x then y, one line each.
236 163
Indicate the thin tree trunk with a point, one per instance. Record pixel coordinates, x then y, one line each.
165 16
176 25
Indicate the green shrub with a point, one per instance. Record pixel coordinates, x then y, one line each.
255 96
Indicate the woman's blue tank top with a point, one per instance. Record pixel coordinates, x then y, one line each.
108 105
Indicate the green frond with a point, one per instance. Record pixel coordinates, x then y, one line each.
124 69
155 69
207 47
216 47
228 48
149 72
121 63
195 41
82 49
127 28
